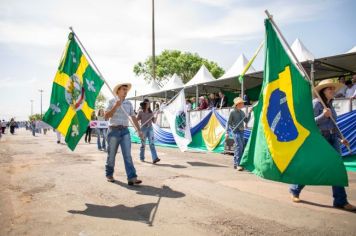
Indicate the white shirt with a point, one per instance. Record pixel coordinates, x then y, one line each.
350 91
341 91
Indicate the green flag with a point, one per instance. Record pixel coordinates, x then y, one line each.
285 143
74 91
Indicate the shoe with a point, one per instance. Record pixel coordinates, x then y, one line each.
110 179
156 160
347 207
134 181
240 168
235 167
295 199
58 142
142 160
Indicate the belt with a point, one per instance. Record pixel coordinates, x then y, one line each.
118 127
329 131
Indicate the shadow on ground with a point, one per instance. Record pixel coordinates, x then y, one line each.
165 191
204 164
140 213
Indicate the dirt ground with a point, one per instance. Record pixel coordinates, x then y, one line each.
46 189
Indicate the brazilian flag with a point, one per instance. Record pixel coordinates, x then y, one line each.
74 91
285 143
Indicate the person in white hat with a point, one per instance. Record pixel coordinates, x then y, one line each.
119 134
235 123
327 89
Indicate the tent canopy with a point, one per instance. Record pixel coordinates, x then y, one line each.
326 67
302 53
151 87
237 68
173 83
201 77
352 50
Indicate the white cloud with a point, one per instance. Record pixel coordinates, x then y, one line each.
117 33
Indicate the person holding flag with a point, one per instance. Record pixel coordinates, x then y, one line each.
147 118
235 123
327 89
118 112
285 143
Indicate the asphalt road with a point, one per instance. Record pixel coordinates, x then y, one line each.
46 189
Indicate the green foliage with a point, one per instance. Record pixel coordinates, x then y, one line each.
100 101
184 64
35 117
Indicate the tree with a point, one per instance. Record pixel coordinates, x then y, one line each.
100 101
35 117
184 64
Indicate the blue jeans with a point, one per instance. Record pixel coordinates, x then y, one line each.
339 193
239 149
148 133
33 131
117 137
101 132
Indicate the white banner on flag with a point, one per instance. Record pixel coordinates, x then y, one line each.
178 119
99 124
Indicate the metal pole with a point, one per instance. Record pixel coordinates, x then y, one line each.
299 65
196 97
153 42
31 107
135 100
242 88
101 76
41 91
312 72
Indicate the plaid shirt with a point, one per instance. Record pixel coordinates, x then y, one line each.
119 117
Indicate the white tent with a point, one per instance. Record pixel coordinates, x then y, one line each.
149 87
352 50
201 77
302 53
237 68
173 83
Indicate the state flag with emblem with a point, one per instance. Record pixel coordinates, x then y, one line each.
285 143
74 91
177 116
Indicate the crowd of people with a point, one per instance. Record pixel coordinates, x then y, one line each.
12 125
215 100
348 89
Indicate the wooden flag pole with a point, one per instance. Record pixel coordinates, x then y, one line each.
101 76
300 67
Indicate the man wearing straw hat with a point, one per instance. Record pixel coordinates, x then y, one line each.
326 90
235 123
118 111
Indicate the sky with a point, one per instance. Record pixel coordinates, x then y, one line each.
117 35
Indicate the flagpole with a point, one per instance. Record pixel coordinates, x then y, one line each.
101 75
301 68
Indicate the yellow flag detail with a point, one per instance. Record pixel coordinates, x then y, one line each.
212 133
65 123
282 151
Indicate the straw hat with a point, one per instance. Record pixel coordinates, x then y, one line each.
121 84
328 83
238 100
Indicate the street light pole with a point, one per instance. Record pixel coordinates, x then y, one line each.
153 42
41 91
31 107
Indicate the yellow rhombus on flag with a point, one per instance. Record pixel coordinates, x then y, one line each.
74 91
